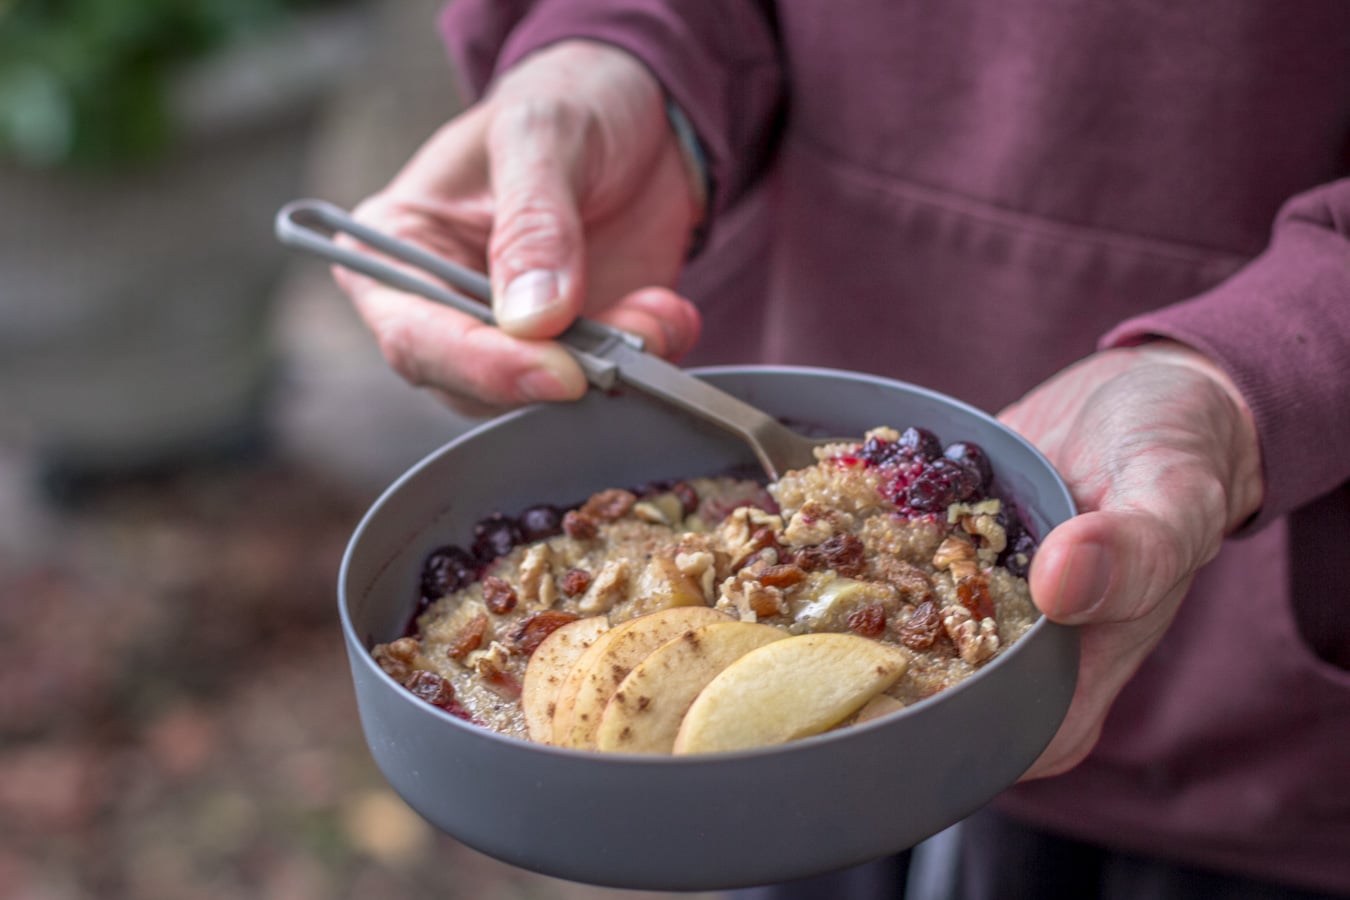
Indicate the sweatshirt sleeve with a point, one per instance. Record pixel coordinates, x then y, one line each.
1280 327
718 60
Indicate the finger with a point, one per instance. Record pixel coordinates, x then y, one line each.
433 345
1108 566
535 252
669 324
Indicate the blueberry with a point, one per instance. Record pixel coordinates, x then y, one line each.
539 522
921 443
1017 557
1011 522
446 570
495 536
972 455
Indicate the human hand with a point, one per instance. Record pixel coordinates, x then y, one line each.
1163 460
566 184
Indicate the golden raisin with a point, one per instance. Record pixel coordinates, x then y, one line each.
469 638
532 631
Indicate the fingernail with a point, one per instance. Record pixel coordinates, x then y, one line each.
539 384
1086 579
528 294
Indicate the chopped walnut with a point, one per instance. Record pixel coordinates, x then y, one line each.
815 524
740 527
397 658
700 565
963 569
609 587
608 505
952 550
994 538
976 640
663 509
537 586
490 663
749 599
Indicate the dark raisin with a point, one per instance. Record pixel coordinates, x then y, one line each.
920 443
498 595
539 522
446 570
972 455
495 536
432 688
688 497
575 581
922 628
869 621
844 553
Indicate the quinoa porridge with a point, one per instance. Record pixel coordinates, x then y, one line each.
894 539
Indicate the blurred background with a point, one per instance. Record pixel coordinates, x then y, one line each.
191 423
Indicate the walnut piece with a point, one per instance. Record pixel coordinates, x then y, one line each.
537 586
609 587
953 549
976 640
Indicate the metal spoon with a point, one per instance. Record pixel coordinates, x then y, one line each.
607 355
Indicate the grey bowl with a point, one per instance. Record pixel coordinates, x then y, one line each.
690 823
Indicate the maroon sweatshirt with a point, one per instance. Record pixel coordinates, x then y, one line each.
972 195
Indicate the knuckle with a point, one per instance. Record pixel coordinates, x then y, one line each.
529 233
397 340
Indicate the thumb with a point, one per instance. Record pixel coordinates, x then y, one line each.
535 253
1108 566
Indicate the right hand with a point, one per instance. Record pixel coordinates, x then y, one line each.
567 186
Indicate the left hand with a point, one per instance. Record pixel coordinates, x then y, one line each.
1162 457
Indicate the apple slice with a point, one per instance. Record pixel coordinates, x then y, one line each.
645 712
598 672
788 689
547 669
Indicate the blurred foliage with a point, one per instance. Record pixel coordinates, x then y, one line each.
85 83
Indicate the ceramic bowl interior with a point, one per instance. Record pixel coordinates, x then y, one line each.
704 822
